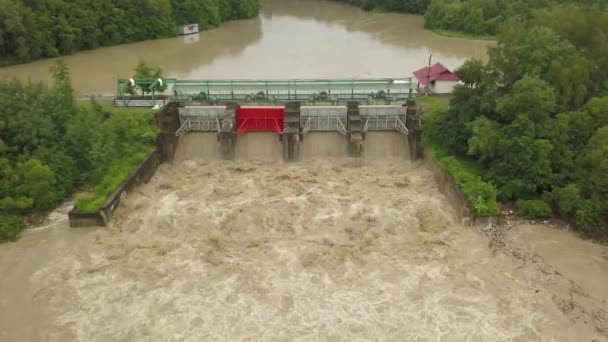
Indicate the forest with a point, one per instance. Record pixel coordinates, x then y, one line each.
533 120
404 6
49 145
474 17
33 29
484 17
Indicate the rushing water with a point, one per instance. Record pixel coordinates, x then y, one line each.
325 249
290 39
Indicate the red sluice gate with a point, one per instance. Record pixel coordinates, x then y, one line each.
260 119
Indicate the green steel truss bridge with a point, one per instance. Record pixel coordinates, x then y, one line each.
147 92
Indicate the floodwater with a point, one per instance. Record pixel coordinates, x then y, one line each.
290 39
327 249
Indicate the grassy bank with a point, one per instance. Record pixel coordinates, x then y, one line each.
135 137
95 148
465 173
461 35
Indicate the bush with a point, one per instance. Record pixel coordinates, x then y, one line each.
123 142
588 218
10 227
404 6
481 195
533 209
565 201
117 173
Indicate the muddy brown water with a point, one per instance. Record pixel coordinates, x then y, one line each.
327 249
290 39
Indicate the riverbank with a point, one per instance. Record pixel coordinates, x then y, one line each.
54 34
85 146
462 35
240 49
466 187
415 8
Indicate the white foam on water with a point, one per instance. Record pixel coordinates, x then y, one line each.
331 249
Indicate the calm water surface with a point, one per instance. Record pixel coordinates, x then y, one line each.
290 39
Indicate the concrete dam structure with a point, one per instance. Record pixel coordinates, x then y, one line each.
291 109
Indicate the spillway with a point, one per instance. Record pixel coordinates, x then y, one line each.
328 248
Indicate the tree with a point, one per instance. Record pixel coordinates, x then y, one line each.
35 182
484 139
474 21
571 78
523 50
531 97
471 72
151 76
31 29
594 163
522 119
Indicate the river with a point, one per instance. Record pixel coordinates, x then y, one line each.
290 39
329 249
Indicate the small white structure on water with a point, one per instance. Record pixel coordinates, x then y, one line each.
187 29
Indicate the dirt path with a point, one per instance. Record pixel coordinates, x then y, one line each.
324 250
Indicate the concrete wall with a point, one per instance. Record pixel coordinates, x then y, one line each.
142 174
457 199
444 87
168 122
85 220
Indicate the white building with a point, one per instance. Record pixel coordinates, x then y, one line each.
439 79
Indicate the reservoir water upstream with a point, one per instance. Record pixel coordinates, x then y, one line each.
326 249
290 39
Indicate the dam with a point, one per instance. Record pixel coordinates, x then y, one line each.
289 108
253 246
328 246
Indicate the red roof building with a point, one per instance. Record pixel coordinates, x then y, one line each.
440 79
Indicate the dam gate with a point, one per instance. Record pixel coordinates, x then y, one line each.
288 108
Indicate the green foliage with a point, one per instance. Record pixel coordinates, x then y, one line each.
480 194
36 182
142 71
404 6
484 17
462 35
48 146
31 30
116 174
10 227
126 140
586 28
522 50
534 119
533 209
471 72
566 200
210 13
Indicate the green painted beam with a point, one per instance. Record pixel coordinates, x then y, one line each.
295 89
